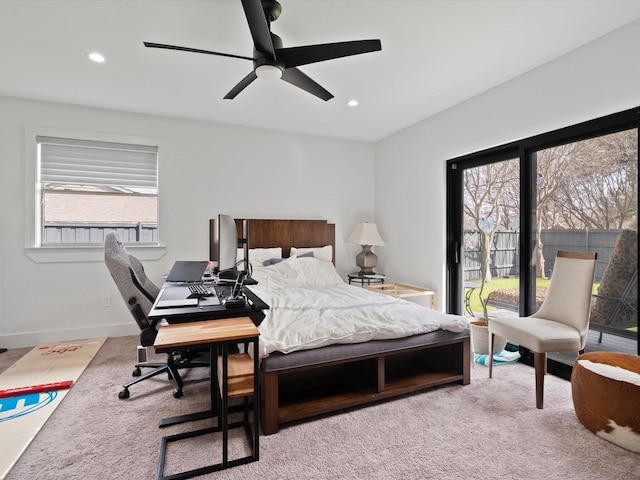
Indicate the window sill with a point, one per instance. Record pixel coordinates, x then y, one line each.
88 253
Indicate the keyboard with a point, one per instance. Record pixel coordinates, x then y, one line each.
198 290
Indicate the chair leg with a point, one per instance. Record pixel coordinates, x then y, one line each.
491 337
124 393
171 366
175 362
540 364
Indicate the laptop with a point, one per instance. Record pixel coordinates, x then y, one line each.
187 271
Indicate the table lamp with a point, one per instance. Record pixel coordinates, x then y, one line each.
366 234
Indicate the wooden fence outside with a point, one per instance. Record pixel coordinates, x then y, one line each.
94 233
505 261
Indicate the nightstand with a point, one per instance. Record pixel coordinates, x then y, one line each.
365 278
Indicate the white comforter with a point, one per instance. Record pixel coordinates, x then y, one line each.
311 307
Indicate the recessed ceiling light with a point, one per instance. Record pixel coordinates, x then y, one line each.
353 103
96 57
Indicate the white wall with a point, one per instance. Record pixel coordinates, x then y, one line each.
600 78
205 169
293 176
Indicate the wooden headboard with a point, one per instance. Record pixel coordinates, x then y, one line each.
267 233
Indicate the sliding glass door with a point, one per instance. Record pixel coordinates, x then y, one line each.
511 208
587 199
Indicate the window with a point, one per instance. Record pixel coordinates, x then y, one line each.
85 188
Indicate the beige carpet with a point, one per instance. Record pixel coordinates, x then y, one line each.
489 429
23 415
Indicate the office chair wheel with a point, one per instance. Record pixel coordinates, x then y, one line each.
177 393
124 393
137 372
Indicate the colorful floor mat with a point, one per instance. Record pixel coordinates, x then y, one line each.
23 415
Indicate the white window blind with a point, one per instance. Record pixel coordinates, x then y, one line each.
82 162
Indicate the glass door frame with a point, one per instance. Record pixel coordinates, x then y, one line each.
455 213
524 150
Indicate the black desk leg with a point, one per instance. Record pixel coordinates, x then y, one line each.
213 384
224 414
219 392
256 401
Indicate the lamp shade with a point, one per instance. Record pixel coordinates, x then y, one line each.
366 233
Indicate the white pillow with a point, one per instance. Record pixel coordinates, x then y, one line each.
286 274
319 273
257 256
321 253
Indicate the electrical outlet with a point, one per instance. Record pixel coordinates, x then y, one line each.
106 300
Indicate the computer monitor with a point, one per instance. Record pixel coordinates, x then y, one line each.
227 242
225 251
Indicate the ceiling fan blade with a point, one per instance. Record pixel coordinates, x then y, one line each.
194 50
300 80
259 27
296 56
242 84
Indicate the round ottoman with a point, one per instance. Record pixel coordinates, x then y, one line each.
606 396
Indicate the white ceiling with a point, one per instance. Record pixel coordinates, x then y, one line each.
434 55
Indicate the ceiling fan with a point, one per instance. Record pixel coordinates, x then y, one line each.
270 59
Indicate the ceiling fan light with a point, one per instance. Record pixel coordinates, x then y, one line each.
269 72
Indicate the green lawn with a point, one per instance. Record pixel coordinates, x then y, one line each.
495 284
499 283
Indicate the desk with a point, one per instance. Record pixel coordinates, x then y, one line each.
207 311
217 335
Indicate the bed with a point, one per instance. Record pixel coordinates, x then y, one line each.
319 353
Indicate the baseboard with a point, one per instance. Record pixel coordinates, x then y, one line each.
36 338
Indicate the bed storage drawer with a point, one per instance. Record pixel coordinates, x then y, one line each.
315 382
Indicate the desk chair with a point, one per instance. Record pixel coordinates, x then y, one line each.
562 322
139 293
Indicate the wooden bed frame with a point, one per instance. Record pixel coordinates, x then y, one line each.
309 383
